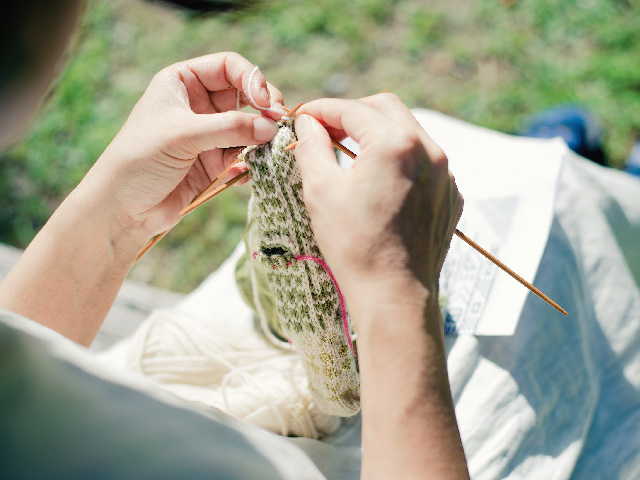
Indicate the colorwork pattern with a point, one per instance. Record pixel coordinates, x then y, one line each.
307 301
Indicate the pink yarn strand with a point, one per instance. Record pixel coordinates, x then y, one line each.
343 308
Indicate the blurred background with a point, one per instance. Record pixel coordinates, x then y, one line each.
489 62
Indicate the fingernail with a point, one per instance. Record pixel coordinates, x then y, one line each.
265 96
278 106
264 129
303 125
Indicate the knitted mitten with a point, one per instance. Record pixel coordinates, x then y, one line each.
307 303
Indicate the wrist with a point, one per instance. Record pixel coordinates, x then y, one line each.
93 212
373 300
71 272
405 392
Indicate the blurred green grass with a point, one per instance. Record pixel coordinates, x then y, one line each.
488 62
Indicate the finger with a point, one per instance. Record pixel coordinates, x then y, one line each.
359 121
229 99
277 101
314 154
215 166
226 100
207 168
380 139
222 70
275 96
216 161
194 134
236 170
197 94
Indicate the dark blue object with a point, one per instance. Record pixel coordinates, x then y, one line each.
575 125
633 162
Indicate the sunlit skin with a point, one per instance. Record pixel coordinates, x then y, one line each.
181 134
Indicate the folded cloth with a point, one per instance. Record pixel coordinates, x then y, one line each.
66 414
558 399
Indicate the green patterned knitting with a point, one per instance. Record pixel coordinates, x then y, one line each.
300 302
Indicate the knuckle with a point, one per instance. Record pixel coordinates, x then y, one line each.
406 144
388 98
459 204
438 157
234 57
234 122
166 72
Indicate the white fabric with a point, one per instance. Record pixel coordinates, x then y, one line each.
508 209
225 367
559 399
66 415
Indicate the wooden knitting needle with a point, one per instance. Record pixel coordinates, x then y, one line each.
291 112
470 242
193 205
211 191
513 274
206 195
215 187
216 181
151 244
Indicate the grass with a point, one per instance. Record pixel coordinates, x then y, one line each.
491 63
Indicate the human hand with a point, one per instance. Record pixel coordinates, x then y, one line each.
180 136
389 219
384 227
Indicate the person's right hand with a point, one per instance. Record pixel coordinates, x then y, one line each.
389 219
384 227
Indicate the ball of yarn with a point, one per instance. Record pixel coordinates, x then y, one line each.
233 370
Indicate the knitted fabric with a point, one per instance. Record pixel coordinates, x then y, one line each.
307 304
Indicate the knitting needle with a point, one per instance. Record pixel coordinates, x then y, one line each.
292 112
193 205
467 240
204 196
513 274
208 193
216 181
151 244
199 200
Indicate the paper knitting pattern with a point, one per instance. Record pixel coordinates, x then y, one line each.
307 303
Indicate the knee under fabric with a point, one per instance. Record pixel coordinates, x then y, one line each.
295 300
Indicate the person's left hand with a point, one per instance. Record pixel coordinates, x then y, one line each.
180 136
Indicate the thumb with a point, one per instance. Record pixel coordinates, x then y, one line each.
314 152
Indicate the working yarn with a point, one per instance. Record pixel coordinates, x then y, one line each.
220 365
306 303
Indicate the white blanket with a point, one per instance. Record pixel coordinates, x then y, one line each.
558 399
561 397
